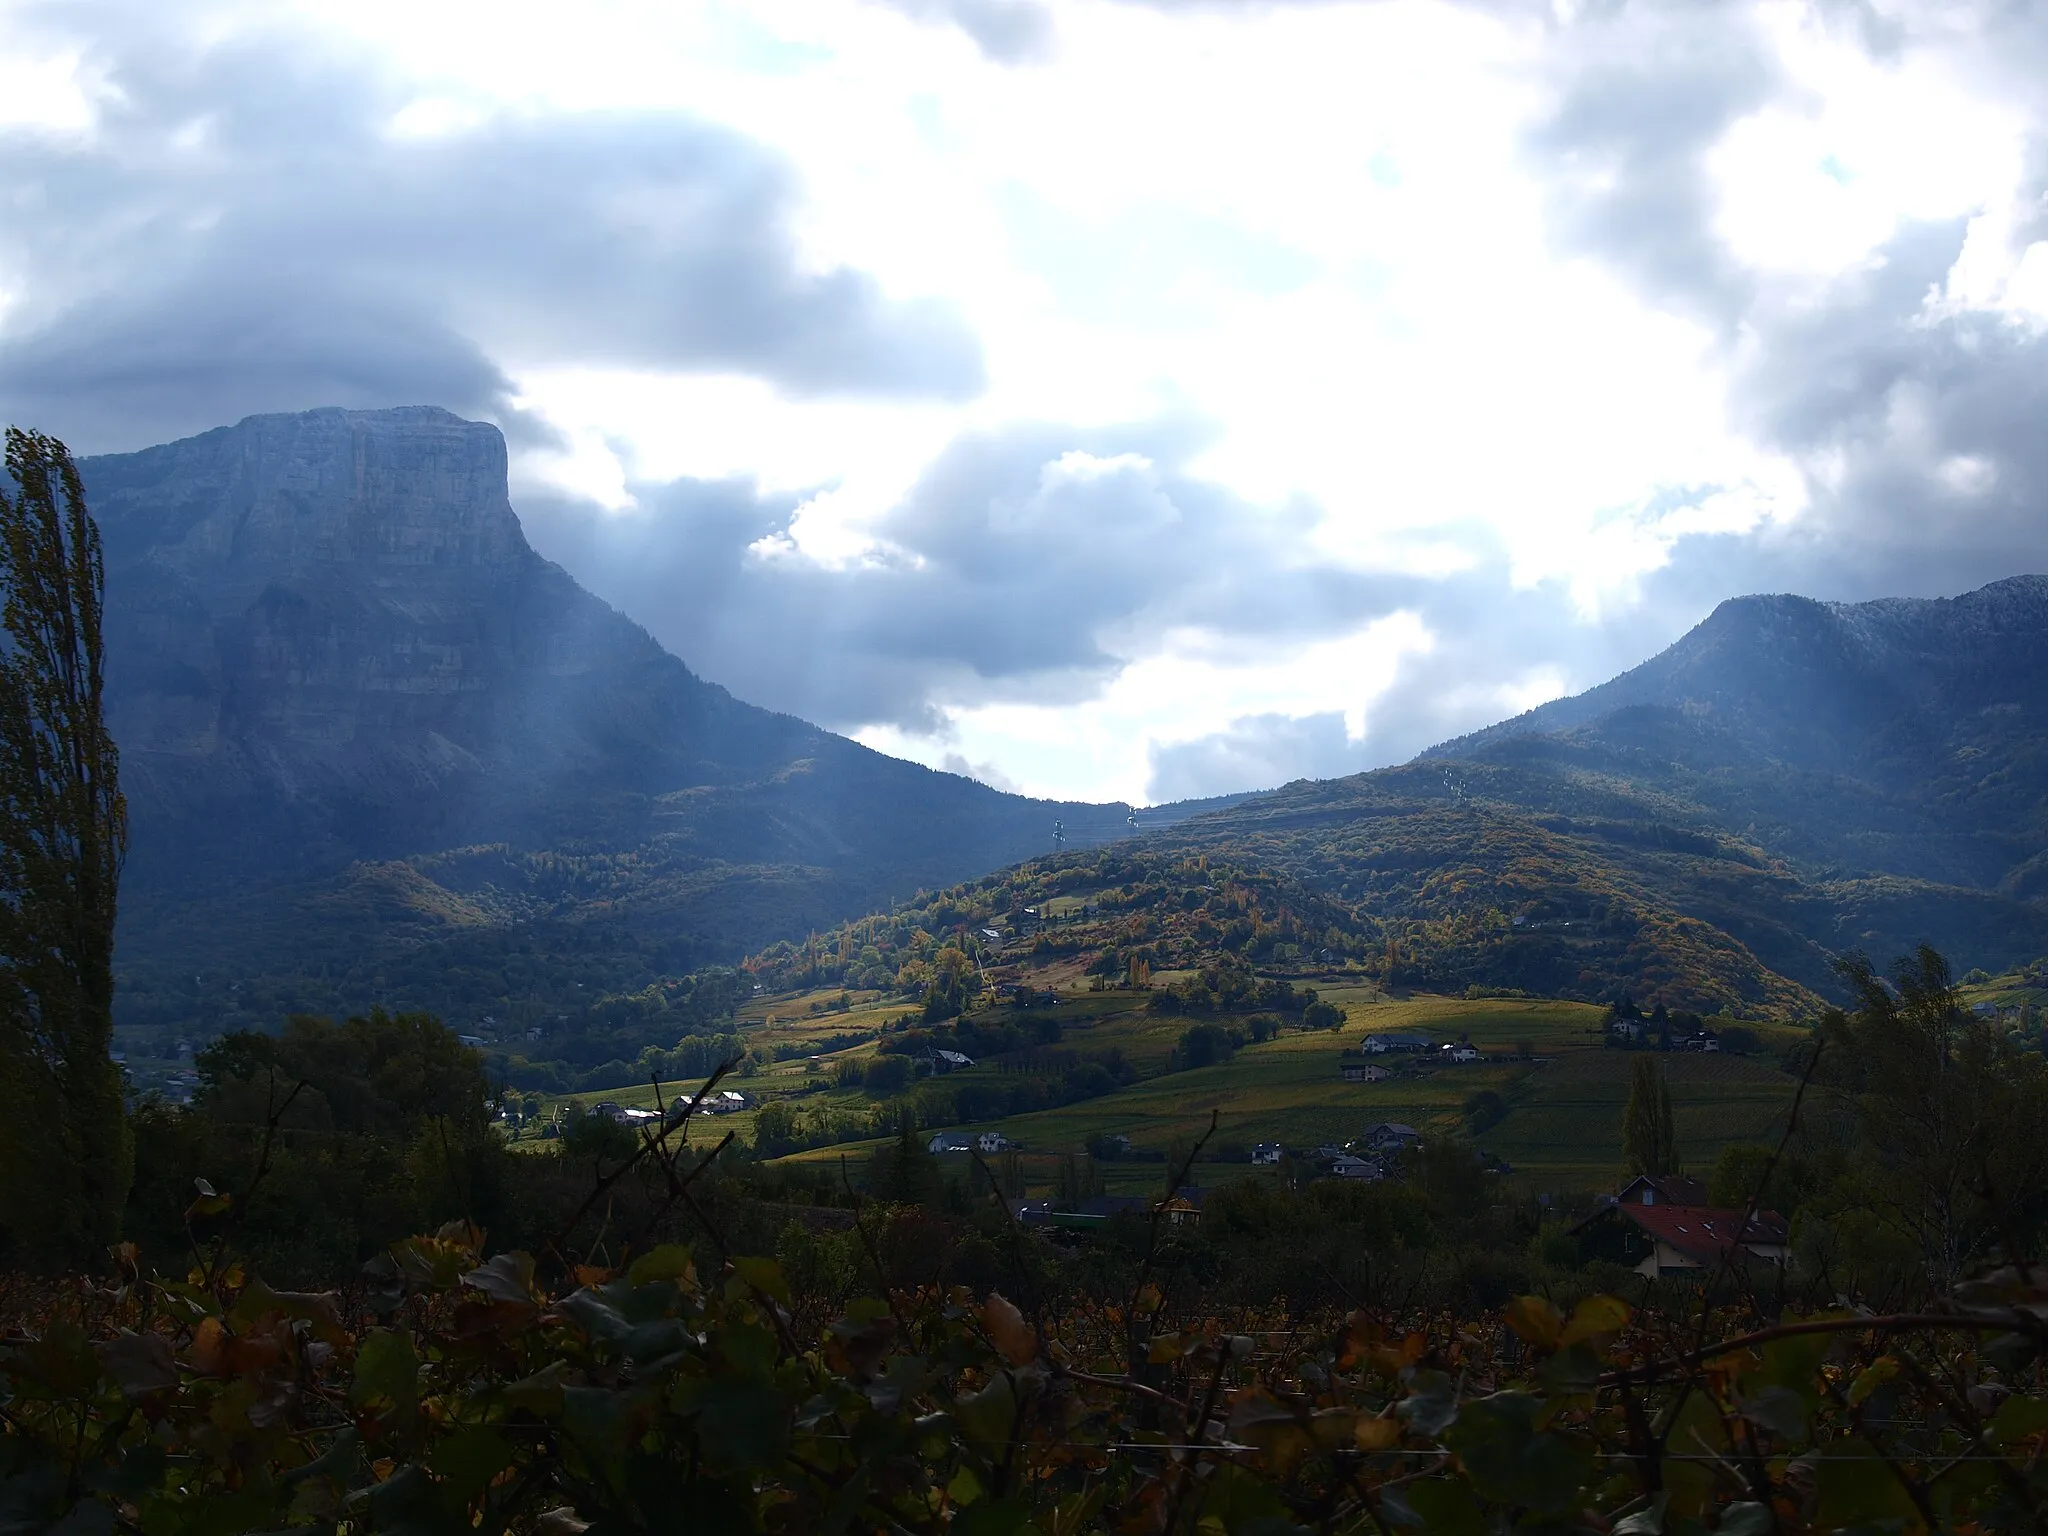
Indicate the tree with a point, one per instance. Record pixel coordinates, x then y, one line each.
66 1155
1953 1156
1649 1137
1204 1045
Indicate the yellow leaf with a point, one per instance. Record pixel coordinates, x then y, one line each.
1594 1316
1375 1433
1536 1319
1165 1349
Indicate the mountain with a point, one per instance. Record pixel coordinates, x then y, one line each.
1790 780
1902 736
356 710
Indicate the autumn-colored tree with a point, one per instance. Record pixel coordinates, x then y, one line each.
65 1152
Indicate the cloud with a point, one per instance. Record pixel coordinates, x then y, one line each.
1029 563
1907 379
1008 31
987 773
1642 95
250 227
1256 752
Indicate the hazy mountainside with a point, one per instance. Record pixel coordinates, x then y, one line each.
354 706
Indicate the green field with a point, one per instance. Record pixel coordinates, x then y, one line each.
1562 1130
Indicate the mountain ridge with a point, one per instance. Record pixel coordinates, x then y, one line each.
330 647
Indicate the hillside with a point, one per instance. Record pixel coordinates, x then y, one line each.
367 734
1789 781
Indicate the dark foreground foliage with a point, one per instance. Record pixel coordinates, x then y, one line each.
446 1389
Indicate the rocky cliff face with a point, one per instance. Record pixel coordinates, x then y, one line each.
329 628
328 641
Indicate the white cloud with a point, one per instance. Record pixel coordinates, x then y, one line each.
1448 294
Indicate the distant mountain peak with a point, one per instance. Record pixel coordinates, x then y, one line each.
1808 680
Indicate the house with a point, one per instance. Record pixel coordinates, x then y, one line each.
1379 1045
1705 1040
474 1042
1463 1053
992 936
1364 1072
1268 1152
951 1061
1180 1211
1391 1137
993 1141
951 1141
1628 1029
1662 1189
1659 1240
720 1101
1347 1166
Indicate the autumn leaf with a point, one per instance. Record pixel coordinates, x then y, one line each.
1013 1337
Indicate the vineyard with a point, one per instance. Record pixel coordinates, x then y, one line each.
684 1389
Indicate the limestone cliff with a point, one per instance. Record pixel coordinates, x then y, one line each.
329 642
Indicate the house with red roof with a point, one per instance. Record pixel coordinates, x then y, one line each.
1663 1227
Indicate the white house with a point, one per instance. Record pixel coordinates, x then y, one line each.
1464 1053
1380 1044
1350 1167
1364 1072
951 1141
993 1141
1268 1152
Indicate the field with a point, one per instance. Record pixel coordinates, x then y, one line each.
1562 1131
1564 1092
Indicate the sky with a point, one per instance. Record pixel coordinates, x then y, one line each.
1109 399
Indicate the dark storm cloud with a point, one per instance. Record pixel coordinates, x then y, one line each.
1025 564
244 233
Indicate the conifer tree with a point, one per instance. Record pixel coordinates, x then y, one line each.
65 1152
1649 1137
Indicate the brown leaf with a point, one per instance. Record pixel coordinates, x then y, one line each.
1013 1337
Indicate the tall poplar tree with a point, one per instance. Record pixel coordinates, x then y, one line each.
1649 1136
65 1152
